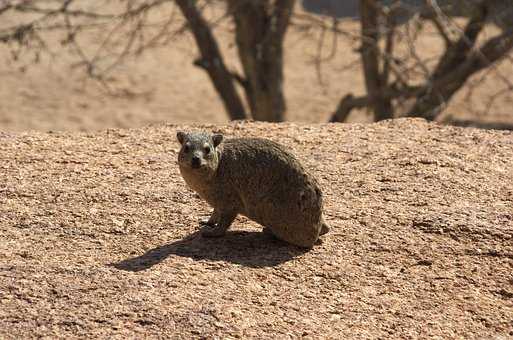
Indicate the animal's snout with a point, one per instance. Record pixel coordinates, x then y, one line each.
195 162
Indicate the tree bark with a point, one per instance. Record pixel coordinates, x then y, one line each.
259 34
211 59
369 13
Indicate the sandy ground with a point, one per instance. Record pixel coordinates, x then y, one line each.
162 85
98 238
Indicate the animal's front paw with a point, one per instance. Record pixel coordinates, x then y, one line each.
209 231
206 223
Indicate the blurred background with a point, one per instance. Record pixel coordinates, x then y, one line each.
85 65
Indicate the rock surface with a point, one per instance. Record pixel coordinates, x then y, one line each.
98 238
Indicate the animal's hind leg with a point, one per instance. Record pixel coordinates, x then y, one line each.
224 222
304 236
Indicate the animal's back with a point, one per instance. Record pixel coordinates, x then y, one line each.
274 189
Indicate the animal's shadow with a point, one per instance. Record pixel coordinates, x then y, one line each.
251 249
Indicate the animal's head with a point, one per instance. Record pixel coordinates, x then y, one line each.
199 152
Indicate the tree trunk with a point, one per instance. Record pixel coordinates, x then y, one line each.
260 31
211 59
369 13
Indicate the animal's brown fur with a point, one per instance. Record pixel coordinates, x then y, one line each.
254 177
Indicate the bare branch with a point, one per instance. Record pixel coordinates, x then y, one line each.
347 104
211 59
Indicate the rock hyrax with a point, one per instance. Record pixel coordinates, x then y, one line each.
254 177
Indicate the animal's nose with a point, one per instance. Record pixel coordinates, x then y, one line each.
196 162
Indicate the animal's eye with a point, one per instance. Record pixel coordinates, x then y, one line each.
207 150
186 148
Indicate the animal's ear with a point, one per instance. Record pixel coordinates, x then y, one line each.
217 139
180 135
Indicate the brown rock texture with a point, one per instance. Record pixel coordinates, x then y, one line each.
98 238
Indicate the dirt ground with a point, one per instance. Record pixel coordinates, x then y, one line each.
98 238
162 85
